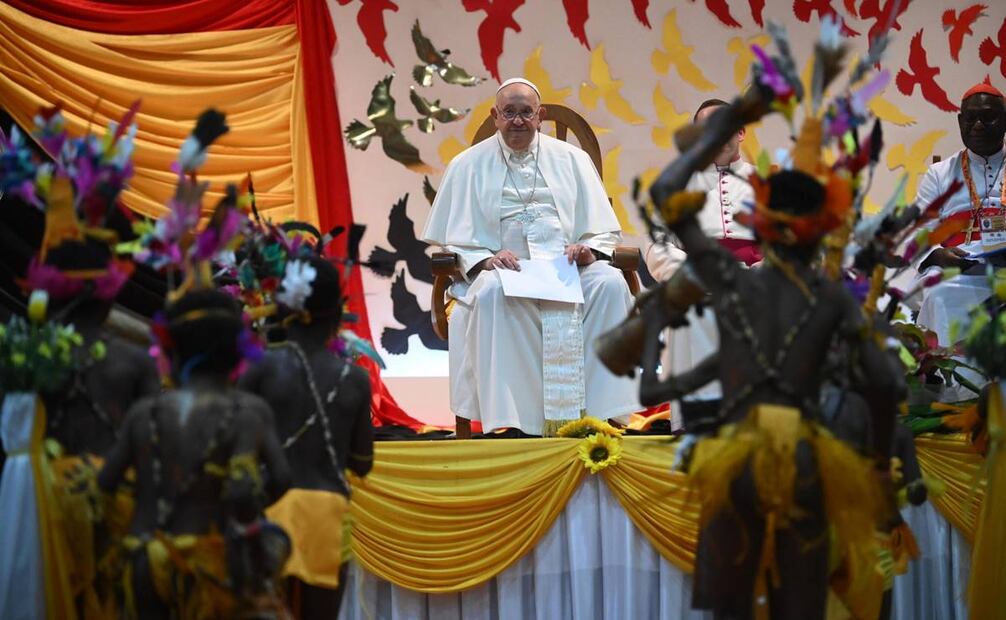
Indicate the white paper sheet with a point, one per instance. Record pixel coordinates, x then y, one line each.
551 280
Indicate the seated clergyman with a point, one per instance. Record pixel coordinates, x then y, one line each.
518 362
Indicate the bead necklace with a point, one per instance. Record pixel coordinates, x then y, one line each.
319 414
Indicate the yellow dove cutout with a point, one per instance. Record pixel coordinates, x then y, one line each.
914 159
477 116
744 57
535 71
670 120
751 146
449 148
890 113
603 87
616 190
679 55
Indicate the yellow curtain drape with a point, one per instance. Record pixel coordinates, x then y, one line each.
950 458
445 517
659 501
448 516
251 75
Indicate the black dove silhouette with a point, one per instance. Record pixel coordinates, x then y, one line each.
402 237
406 311
436 62
387 127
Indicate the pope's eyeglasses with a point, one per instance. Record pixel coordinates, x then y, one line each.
509 115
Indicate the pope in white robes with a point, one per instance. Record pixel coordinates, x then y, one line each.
727 192
516 362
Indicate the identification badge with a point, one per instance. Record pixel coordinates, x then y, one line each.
993 229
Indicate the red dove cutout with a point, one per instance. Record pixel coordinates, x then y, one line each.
639 8
883 17
958 26
720 9
577 15
370 18
989 50
499 17
923 76
757 6
803 9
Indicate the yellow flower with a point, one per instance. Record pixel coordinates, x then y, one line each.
45 351
599 451
98 350
37 303
18 358
587 426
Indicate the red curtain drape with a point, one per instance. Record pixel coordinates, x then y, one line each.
160 16
317 41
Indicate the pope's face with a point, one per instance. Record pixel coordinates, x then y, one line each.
518 114
982 120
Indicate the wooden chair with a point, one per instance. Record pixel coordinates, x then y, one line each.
446 266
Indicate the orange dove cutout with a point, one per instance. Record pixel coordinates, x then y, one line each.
890 113
670 120
676 53
603 87
744 57
615 190
914 159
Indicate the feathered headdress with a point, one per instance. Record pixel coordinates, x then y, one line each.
78 190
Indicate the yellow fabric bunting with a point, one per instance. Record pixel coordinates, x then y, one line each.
951 458
446 517
251 75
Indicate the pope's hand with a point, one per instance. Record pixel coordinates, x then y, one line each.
580 254
504 259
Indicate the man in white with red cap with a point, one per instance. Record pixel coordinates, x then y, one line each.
516 362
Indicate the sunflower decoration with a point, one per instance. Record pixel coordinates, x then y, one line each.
600 451
587 426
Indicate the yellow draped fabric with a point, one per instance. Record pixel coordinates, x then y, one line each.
659 501
950 458
56 558
987 586
447 516
251 75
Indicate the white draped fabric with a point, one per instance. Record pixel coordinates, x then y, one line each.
22 589
593 564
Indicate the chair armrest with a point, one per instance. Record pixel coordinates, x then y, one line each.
445 267
626 258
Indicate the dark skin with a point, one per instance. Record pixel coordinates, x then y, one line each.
112 385
187 419
982 121
800 553
279 379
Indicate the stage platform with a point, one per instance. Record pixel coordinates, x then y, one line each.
520 528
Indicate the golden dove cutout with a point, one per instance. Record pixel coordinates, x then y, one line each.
890 113
670 120
615 190
744 57
914 159
603 88
432 111
675 53
435 63
387 126
535 71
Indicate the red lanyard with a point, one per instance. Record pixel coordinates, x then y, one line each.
976 202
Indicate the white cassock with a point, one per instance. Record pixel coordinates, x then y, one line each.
727 191
950 301
516 362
